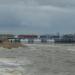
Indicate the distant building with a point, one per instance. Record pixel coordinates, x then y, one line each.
28 36
5 37
67 38
48 38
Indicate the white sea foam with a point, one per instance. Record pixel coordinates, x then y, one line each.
11 66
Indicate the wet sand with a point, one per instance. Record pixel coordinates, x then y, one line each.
38 59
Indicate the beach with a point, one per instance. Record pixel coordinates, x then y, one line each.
38 59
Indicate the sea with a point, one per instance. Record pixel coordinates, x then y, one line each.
38 59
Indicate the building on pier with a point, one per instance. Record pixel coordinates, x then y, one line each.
67 38
28 38
5 37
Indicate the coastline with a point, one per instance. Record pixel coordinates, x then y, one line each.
10 45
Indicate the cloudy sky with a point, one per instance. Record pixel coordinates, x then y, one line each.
37 16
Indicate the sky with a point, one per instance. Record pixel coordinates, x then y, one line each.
37 16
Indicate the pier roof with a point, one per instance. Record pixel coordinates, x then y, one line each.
27 36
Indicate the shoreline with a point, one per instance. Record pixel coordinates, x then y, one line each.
10 45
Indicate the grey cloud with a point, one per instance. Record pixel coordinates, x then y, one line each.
37 15
59 3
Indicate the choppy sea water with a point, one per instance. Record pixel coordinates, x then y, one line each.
38 59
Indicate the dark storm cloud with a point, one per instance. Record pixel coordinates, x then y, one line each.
37 15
